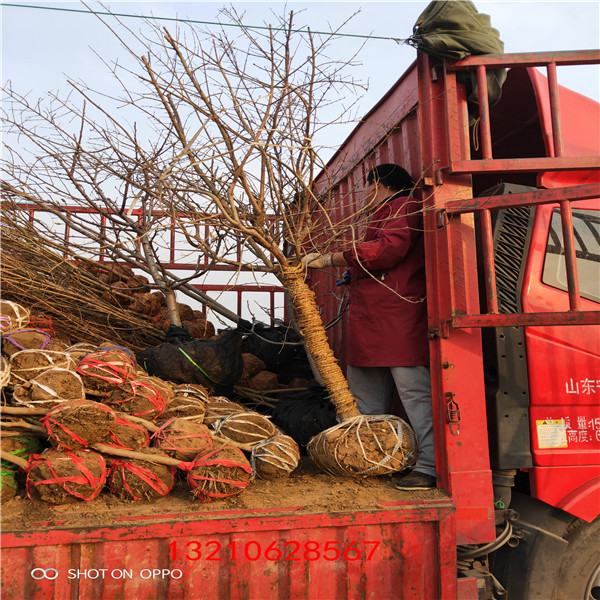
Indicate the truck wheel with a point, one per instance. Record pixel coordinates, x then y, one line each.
579 573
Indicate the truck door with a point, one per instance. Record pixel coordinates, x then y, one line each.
564 363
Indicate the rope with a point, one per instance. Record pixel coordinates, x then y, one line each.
325 447
287 460
311 327
195 21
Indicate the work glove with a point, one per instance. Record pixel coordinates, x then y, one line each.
345 280
315 260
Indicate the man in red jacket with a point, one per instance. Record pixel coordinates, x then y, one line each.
387 343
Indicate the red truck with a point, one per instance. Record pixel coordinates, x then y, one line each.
512 233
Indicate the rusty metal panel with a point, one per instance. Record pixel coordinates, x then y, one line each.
403 552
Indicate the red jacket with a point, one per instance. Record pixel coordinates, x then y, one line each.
384 329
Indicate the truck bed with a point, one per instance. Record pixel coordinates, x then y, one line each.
313 536
308 490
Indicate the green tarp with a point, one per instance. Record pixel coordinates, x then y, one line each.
454 29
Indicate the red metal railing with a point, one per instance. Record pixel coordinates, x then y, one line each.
461 163
556 160
172 262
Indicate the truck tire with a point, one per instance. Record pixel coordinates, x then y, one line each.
554 556
579 573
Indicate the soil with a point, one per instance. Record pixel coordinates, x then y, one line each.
306 491
191 390
14 316
184 404
25 339
49 388
105 368
63 477
25 365
265 380
8 484
252 366
145 397
219 408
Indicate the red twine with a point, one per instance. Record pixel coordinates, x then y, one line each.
115 371
156 398
43 323
168 442
147 476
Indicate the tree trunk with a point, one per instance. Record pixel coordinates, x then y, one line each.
311 327
172 308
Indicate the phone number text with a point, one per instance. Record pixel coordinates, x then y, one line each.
275 551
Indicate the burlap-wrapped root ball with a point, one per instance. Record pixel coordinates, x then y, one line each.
275 457
13 316
136 479
364 446
246 428
219 473
102 370
126 435
25 339
145 397
50 388
219 407
78 423
64 476
188 402
183 439
28 364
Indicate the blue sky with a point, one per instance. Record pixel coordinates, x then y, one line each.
42 48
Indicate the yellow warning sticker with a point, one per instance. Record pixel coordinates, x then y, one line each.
552 433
